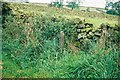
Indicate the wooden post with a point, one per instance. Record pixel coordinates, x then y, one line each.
104 36
102 40
61 42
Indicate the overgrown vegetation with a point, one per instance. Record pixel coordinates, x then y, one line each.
115 8
30 45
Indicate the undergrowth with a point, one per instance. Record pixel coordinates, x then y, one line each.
31 50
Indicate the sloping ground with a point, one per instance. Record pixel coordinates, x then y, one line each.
94 18
91 17
31 49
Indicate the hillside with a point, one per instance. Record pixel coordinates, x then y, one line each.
47 42
39 9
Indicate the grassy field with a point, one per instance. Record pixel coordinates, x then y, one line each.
31 43
45 10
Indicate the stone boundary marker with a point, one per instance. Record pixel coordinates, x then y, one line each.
61 42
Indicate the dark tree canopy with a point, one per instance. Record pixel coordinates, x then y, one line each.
114 8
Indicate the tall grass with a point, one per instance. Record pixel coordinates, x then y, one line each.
48 64
31 49
51 63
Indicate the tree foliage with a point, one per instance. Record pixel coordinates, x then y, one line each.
113 8
57 3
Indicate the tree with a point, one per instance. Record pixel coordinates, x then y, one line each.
108 1
56 3
80 1
115 8
74 3
109 5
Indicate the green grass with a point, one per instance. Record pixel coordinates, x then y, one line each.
68 66
30 39
94 17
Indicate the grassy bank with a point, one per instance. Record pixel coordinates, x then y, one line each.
31 47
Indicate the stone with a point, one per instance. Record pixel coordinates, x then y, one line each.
97 34
89 30
81 26
78 30
88 25
98 30
81 35
83 31
90 33
116 28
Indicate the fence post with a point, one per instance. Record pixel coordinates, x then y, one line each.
61 42
103 37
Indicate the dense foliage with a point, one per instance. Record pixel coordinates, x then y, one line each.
56 4
59 4
115 8
31 48
72 5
